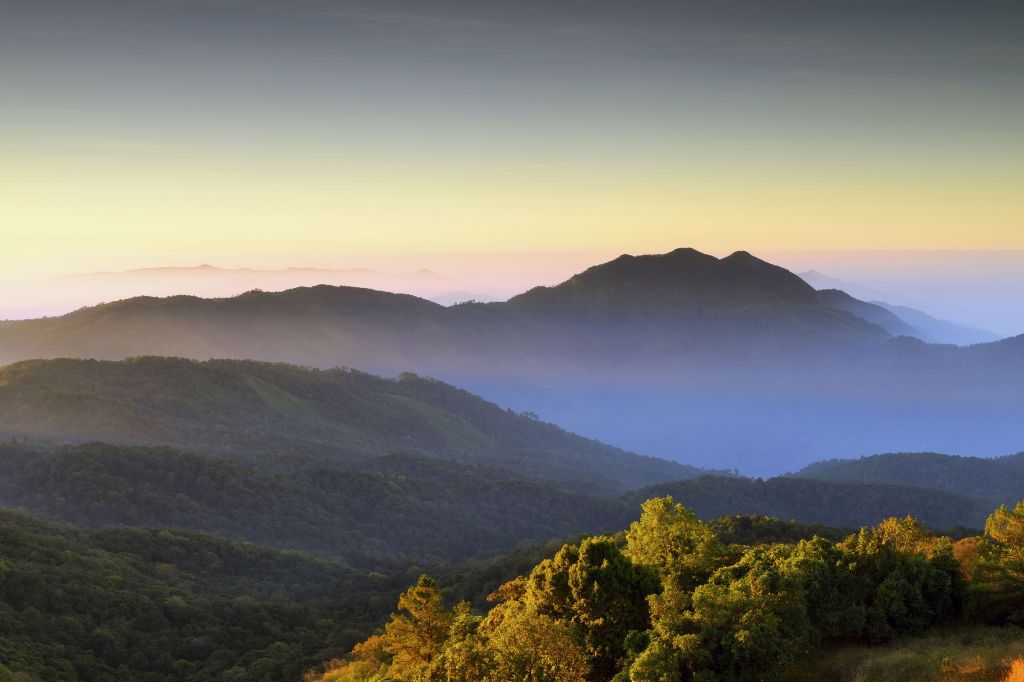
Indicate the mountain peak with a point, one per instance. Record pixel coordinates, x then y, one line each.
682 278
684 252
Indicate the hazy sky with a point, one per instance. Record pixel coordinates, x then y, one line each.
250 132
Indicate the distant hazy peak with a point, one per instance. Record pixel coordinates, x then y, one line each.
682 276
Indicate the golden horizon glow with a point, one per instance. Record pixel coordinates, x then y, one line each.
127 208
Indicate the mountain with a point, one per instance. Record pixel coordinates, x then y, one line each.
909 321
59 295
683 300
697 295
820 280
1000 479
681 280
720 362
248 410
934 330
869 312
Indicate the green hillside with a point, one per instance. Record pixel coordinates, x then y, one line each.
247 410
156 605
997 478
409 507
397 506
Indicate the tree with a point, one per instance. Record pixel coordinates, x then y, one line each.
747 623
907 535
657 663
414 640
902 592
464 656
670 538
1006 526
997 585
597 589
527 646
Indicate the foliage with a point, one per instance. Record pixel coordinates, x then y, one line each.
675 604
755 529
998 580
397 506
670 538
158 605
597 589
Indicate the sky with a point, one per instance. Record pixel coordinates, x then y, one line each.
316 133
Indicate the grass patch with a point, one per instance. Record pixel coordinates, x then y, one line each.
965 654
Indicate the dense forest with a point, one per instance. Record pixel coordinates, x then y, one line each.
397 505
405 505
671 598
247 520
154 604
669 601
995 478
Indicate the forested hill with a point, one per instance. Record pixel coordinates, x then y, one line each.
398 506
405 506
246 409
846 505
717 362
1000 479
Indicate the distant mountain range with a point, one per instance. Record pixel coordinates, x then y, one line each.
901 320
35 298
631 312
723 363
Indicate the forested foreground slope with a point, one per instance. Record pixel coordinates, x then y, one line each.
155 605
670 602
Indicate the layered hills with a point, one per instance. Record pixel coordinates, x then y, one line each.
999 479
681 302
719 362
342 462
351 465
407 507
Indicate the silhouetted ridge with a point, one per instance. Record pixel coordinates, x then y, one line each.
681 279
875 314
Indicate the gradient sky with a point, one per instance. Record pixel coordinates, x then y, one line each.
257 133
